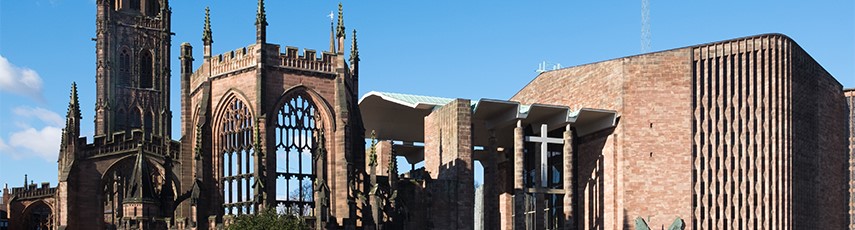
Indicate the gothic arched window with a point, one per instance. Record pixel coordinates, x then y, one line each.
236 161
135 4
146 73
135 118
124 67
124 61
295 128
152 7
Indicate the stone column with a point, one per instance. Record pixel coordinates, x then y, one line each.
491 195
519 194
567 174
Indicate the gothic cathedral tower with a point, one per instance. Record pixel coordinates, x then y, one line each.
133 41
129 176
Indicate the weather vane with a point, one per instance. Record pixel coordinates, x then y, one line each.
331 16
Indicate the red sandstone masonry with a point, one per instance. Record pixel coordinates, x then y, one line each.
448 158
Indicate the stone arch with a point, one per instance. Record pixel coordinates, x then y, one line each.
233 152
114 179
324 106
295 122
39 215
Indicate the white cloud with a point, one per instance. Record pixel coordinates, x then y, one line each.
43 143
4 147
18 80
46 116
28 141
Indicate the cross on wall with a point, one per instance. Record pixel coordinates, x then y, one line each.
544 141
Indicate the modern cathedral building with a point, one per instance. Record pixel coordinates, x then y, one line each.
749 133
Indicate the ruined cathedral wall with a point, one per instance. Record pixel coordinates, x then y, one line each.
280 84
448 159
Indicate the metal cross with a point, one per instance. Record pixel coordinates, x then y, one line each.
544 141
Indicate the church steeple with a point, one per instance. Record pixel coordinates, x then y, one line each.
72 128
332 34
73 104
261 24
207 36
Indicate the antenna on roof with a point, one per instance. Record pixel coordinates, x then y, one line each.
645 26
541 67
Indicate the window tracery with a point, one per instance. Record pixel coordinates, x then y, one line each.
295 130
236 158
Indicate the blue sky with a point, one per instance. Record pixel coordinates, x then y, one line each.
468 49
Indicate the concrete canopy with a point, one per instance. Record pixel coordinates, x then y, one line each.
400 117
395 116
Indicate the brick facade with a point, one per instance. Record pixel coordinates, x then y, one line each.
722 135
740 134
850 101
448 160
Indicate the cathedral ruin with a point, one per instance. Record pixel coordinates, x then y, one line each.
748 133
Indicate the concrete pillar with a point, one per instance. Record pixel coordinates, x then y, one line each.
519 194
567 174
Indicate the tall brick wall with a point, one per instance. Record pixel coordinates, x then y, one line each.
731 134
656 150
819 146
448 159
850 101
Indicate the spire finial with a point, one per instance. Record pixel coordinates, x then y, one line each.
340 32
354 49
73 103
207 38
261 16
332 32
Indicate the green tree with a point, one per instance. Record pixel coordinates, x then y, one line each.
268 219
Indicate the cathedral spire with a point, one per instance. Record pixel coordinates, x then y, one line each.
72 121
340 33
73 104
332 33
354 49
261 24
207 37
